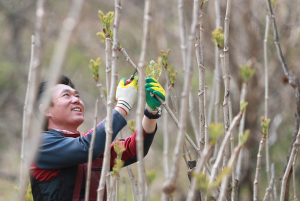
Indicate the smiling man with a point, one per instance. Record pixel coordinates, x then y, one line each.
59 171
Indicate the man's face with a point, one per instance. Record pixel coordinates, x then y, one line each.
67 111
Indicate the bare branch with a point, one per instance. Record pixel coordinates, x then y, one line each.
170 184
241 132
108 52
199 55
141 99
226 74
231 164
55 68
294 178
27 110
258 165
166 138
134 187
87 186
110 103
225 141
201 161
269 189
289 166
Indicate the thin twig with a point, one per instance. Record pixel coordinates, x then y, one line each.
274 185
55 68
199 55
267 94
125 189
294 82
87 186
183 45
201 161
225 141
192 117
108 52
171 90
134 187
226 74
289 166
178 125
231 164
235 193
141 99
102 96
170 184
269 189
166 138
27 110
294 178
241 132
258 165
110 103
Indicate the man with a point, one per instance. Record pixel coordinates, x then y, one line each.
59 172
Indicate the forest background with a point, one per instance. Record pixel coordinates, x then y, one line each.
247 27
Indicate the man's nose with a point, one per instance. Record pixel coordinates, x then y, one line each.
76 99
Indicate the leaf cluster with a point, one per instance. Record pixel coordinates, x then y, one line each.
154 69
151 175
106 21
244 137
119 149
172 74
273 3
216 183
218 37
94 66
215 130
104 91
131 124
246 72
202 182
243 106
165 57
265 126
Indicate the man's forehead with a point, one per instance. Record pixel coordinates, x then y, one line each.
60 88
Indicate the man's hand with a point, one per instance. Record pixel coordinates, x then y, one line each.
127 95
152 86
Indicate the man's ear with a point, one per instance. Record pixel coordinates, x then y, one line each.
44 111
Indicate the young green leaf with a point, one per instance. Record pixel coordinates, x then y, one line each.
106 21
265 126
243 106
165 57
218 37
151 175
154 69
245 136
94 66
246 72
172 74
273 3
215 130
131 124
119 149
220 177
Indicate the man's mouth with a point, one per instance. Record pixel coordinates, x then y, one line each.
76 109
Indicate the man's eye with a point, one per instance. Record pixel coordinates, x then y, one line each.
66 95
77 96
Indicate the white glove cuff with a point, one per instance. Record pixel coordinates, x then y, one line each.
124 105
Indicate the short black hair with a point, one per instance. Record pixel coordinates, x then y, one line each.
41 90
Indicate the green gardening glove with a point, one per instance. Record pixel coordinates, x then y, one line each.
153 86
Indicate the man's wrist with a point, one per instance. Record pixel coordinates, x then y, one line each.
153 115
